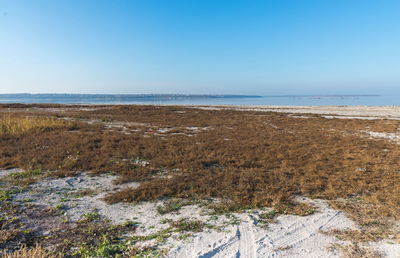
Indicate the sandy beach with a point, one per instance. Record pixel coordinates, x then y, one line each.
349 112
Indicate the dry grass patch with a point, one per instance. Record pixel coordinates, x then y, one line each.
16 125
354 250
376 219
35 252
7 235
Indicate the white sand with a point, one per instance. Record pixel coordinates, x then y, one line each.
360 112
394 137
290 236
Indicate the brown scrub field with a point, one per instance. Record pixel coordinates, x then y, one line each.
243 159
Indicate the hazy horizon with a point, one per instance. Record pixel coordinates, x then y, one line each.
200 47
185 94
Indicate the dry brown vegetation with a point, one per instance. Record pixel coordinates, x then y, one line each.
247 158
17 125
357 251
35 252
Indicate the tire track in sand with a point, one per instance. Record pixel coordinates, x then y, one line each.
247 243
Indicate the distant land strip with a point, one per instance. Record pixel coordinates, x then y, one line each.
163 96
120 96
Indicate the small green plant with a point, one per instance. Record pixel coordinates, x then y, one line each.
59 207
65 219
165 221
161 236
147 252
27 174
25 177
130 223
184 237
223 208
26 200
173 206
12 220
58 210
266 218
6 195
63 199
91 216
233 220
270 215
183 225
84 192
105 248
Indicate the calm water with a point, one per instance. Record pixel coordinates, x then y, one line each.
383 100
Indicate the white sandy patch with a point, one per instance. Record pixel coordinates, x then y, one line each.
291 236
349 112
355 117
164 129
56 191
389 136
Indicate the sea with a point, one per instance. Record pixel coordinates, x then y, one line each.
183 99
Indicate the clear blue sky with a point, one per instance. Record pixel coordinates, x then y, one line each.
204 46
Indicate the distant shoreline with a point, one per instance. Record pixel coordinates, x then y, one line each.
123 96
169 96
